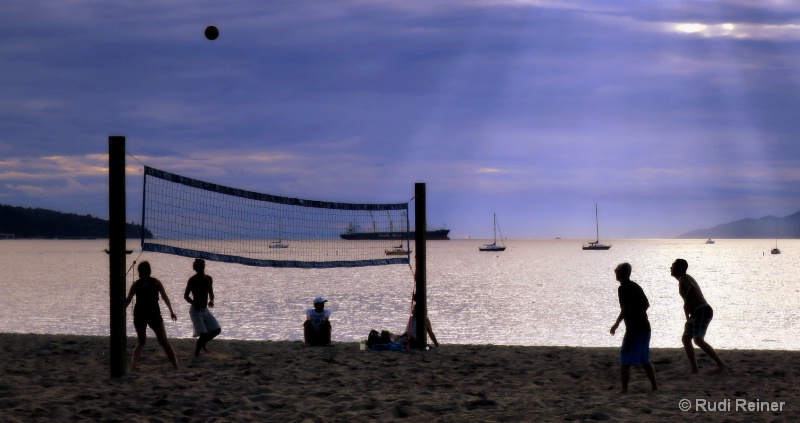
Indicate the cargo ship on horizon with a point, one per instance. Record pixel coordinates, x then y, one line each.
431 234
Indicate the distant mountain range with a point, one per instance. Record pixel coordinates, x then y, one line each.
40 223
765 227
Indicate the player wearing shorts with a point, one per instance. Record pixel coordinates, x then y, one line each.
200 294
698 316
635 350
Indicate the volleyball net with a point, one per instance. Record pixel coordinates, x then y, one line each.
193 218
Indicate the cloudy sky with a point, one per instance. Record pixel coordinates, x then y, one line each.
671 115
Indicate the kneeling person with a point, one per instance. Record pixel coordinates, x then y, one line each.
317 327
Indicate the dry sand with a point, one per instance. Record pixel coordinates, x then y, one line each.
63 378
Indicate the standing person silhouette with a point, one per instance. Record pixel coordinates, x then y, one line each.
147 312
200 294
698 316
635 350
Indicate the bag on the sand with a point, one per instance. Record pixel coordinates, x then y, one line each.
373 338
376 338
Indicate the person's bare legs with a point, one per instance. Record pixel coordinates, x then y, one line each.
708 349
651 374
204 339
141 340
325 333
625 376
308 330
161 335
687 344
137 354
201 344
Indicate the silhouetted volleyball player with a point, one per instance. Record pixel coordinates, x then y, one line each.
147 312
200 294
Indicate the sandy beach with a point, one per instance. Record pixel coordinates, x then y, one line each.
65 377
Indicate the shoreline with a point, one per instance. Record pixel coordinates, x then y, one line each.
63 377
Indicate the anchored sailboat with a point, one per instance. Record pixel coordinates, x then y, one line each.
279 243
399 250
493 246
776 250
596 245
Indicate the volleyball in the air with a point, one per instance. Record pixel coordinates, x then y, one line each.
212 32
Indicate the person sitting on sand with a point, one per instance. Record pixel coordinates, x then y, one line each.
635 350
200 294
410 335
147 312
698 316
317 327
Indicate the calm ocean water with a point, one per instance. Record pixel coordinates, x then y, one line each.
537 292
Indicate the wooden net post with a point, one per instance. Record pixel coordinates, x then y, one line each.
116 254
421 226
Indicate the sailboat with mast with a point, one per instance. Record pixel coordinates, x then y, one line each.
776 250
596 245
398 250
279 243
493 246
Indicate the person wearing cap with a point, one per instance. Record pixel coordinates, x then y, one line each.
317 327
200 294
